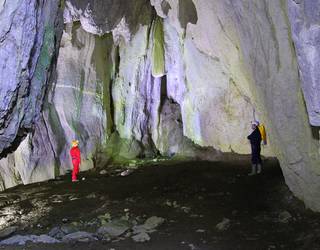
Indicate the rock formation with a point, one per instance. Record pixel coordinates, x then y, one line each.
29 40
160 77
304 20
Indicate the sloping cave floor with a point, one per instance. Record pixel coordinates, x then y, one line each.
193 197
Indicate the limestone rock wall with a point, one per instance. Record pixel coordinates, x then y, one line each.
304 19
29 41
78 103
29 33
77 106
246 64
101 17
274 69
206 76
177 78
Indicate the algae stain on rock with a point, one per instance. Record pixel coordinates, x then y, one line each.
158 59
45 54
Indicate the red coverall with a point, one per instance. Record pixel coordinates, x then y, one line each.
76 160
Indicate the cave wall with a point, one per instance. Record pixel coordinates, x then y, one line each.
304 18
250 46
209 84
274 69
30 34
173 78
77 105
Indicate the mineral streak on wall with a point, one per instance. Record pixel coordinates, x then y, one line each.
171 77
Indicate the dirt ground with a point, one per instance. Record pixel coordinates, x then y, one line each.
192 197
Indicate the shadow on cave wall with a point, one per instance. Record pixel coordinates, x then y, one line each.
187 13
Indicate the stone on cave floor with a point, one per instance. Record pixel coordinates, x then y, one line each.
103 172
57 233
6 232
115 228
79 236
141 237
200 231
126 172
192 247
91 196
285 217
23 239
149 225
68 229
153 222
223 225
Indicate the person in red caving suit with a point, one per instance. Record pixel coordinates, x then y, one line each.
76 159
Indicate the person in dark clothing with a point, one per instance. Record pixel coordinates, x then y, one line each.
255 141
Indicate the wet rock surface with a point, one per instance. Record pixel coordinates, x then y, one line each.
191 205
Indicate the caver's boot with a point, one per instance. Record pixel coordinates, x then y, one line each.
259 168
253 170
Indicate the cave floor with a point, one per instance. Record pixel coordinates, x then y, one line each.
193 197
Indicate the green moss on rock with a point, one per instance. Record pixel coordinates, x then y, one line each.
46 53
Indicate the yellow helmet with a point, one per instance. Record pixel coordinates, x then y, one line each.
75 143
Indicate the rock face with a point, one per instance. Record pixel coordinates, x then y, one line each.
101 17
206 79
132 83
28 37
304 20
78 101
273 68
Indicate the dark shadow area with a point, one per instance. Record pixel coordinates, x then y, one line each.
21 135
164 92
315 132
187 13
192 197
165 6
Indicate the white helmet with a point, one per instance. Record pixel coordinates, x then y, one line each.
256 123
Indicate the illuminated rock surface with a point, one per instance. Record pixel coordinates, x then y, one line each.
172 78
29 35
304 20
